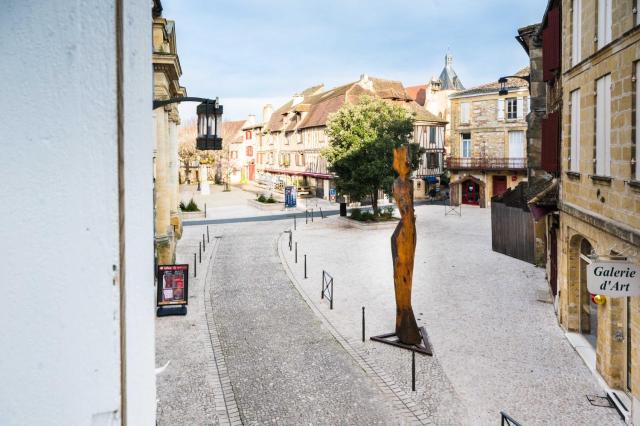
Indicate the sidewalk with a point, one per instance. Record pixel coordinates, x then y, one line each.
496 347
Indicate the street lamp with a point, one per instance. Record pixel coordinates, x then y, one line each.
504 90
209 121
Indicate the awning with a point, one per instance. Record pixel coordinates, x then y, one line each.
430 179
300 173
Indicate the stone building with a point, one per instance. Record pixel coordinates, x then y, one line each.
292 137
599 204
230 165
487 149
166 85
434 95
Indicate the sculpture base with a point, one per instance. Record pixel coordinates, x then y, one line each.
391 339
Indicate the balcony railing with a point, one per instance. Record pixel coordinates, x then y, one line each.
486 163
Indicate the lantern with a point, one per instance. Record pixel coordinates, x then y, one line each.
503 86
209 123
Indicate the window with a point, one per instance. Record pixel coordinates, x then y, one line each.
248 135
465 145
516 144
249 151
574 147
604 23
432 160
432 135
576 32
512 108
500 109
603 126
464 112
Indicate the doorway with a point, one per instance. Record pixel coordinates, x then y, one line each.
588 309
470 193
499 185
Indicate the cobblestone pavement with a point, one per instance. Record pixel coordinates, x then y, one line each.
285 367
188 388
497 348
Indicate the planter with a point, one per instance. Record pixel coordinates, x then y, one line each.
192 215
266 206
389 224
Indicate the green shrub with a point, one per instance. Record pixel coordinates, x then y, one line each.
356 214
271 200
262 198
367 216
387 212
191 207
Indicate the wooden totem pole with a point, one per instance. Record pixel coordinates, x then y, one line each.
403 248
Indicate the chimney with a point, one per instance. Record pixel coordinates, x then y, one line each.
251 120
267 110
297 98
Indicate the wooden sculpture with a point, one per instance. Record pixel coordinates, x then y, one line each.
403 248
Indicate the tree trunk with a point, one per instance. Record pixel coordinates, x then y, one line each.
374 201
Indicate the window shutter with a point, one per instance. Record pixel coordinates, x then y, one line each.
550 143
576 39
500 109
520 108
527 105
574 153
637 121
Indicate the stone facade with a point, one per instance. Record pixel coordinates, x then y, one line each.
481 149
601 213
166 85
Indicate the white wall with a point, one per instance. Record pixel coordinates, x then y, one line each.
59 237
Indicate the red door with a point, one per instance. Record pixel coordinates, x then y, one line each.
499 185
470 193
252 172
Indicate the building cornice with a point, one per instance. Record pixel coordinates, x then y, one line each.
610 226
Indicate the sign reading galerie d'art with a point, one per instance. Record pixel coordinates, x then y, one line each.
613 278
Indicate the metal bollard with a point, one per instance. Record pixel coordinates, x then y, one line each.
204 245
199 252
413 371
305 266
205 210
311 215
296 252
207 233
363 323
294 222
195 266
321 214
306 217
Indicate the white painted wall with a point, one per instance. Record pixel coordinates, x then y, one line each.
60 359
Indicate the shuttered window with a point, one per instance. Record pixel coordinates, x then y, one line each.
520 108
574 147
500 109
465 145
516 144
512 108
637 120
465 112
576 32
604 23
603 126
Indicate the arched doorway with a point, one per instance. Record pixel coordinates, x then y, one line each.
470 192
588 310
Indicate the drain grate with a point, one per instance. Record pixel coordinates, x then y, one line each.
600 401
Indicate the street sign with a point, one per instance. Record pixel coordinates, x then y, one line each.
332 194
173 285
290 194
613 278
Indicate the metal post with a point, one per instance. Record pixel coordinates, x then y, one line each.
205 210
195 266
331 301
305 266
322 289
363 323
294 222
413 371
200 252
290 240
306 217
311 215
204 245
321 214
296 253
207 233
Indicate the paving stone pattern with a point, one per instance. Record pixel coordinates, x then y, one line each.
285 366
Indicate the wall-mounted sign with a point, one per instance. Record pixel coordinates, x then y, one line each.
613 278
332 195
173 285
290 194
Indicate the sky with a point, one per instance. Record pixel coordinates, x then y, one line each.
252 52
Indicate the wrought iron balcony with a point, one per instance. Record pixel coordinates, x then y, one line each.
486 163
